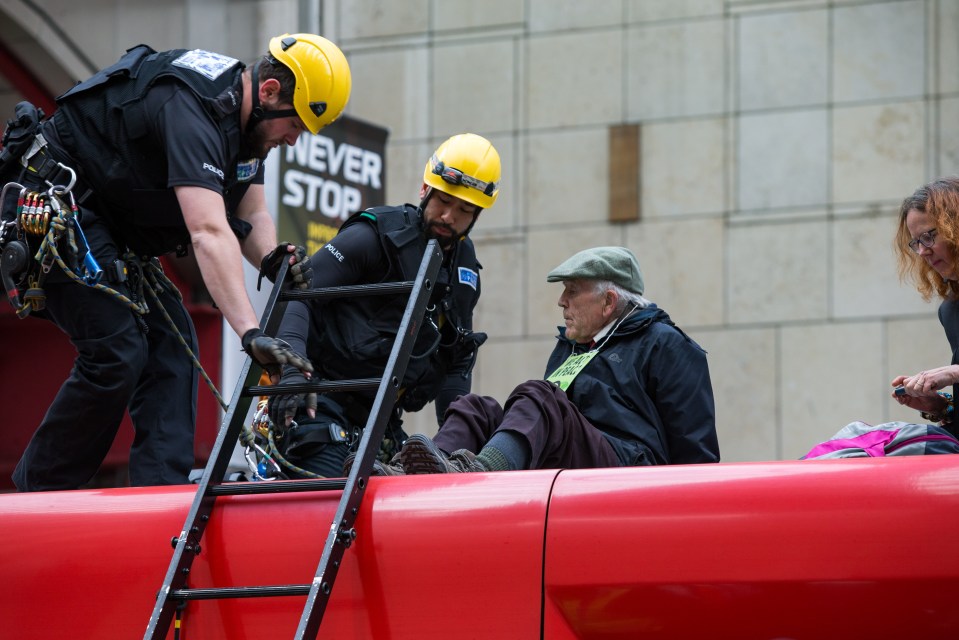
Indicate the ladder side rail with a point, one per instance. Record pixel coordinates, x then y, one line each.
341 532
188 542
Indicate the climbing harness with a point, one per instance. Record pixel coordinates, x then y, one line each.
262 453
46 226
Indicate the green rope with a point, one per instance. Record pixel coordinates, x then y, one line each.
153 278
274 451
155 273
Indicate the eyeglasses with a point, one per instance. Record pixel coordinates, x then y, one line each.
926 239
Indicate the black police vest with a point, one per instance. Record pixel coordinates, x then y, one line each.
401 235
355 336
107 111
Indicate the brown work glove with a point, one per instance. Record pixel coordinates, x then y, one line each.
273 353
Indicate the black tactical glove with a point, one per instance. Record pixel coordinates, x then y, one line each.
283 408
301 271
273 353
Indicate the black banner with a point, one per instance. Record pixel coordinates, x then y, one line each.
326 177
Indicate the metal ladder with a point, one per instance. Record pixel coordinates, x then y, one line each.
174 591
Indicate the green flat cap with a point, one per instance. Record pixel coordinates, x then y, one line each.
615 264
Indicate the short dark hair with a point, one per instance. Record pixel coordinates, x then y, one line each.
270 67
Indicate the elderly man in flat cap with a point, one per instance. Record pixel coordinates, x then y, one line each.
624 386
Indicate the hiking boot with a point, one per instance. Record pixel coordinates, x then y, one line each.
379 469
421 455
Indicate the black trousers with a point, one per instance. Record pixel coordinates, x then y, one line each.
118 367
559 436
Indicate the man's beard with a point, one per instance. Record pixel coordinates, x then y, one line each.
445 242
254 144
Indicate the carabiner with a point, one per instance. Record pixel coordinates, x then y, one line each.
57 190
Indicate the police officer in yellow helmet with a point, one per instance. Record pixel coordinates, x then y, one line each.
167 149
352 337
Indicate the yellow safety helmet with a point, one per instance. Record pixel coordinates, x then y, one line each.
466 166
323 79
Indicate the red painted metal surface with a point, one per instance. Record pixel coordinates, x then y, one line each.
434 556
855 548
818 549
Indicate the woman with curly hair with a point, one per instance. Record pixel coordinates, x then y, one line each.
927 248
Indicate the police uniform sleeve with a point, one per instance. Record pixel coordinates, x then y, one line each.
191 140
351 257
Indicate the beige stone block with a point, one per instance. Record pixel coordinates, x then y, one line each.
783 59
503 364
404 175
682 263
500 366
575 79
864 277
270 18
675 70
649 10
467 98
161 27
451 15
86 23
422 421
390 88
782 159
683 168
559 15
948 137
777 272
546 250
831 375
499 312
947 53
561 185
746 7
504 216
375 18
743 369
879 51
912 345
878 152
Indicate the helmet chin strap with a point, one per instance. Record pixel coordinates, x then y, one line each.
257 113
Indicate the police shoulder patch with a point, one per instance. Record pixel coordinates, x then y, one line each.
468 277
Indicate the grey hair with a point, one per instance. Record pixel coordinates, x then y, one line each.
625 297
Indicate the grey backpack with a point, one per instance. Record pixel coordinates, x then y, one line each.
861 440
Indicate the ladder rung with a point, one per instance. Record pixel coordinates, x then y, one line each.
325 386
240 592
348 291
276 486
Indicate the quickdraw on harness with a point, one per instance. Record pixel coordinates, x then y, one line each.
46 221
42 220
262 453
